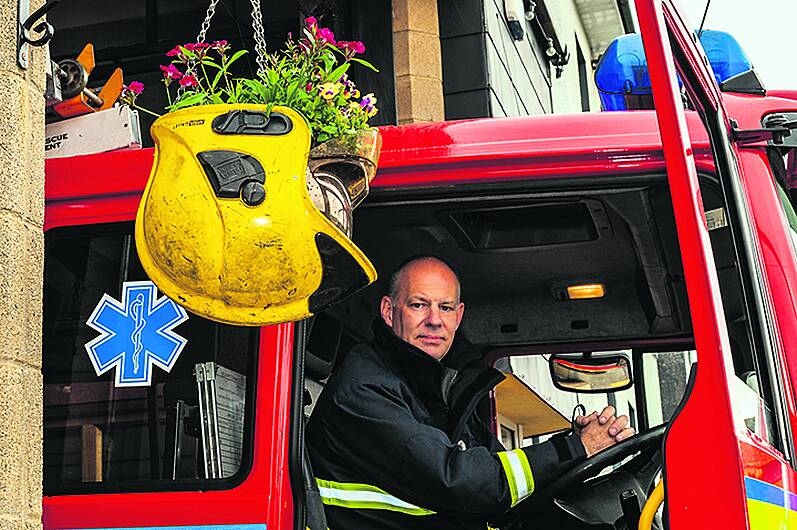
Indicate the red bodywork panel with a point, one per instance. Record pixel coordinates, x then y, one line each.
106 188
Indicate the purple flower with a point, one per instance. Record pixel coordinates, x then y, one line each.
368 104
171 72
136 87
189 81
326 35
329 90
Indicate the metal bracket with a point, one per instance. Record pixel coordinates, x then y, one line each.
25 25
775 134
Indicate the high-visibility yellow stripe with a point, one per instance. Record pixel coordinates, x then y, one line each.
518 474
364 496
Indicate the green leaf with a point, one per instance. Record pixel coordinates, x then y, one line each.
364 63
193 99
331 129
338 72
237 55
210 62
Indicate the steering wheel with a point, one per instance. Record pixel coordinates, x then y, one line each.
587 469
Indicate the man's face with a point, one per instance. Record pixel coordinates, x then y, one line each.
426 311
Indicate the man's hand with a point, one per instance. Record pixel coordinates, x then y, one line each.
599 431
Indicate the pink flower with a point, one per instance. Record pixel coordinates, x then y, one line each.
189 81
196 46
173 52
136 87
171 72
219 44
326 35
356 47
310 22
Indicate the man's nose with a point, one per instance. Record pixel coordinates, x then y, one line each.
433 317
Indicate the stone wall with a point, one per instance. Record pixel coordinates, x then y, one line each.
416 57
22 259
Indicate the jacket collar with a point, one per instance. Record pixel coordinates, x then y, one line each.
424 375
461 354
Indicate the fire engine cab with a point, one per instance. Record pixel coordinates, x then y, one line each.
646 258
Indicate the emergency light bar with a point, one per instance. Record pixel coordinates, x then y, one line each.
622 73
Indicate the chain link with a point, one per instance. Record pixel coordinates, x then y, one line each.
200 38
260 39
259 33
206 22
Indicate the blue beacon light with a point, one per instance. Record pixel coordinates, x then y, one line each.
622 73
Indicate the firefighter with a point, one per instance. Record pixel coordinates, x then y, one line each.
395 439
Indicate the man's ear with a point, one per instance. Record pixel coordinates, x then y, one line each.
460 312
386 310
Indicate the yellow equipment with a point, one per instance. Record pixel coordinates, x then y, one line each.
227 227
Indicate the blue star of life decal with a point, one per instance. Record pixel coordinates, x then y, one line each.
135 334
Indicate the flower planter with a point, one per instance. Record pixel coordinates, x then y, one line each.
227 227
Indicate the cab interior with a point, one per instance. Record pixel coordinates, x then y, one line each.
516 250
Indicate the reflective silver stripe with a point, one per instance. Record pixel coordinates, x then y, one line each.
520 477
364 496
518 474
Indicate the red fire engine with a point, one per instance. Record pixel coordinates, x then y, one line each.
682 216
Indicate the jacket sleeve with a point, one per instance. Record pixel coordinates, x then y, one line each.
417 463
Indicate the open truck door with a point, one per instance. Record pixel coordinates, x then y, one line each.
708 436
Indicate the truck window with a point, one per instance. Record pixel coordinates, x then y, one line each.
663 379
537 416
754 385
188 429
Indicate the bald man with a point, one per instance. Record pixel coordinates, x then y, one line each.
395 439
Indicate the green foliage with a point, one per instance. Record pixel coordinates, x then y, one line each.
309 76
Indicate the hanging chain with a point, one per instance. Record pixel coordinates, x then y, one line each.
206 22
260 39
200 38
259 34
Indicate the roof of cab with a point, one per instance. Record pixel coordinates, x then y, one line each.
426 154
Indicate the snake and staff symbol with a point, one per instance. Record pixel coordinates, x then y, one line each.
137 308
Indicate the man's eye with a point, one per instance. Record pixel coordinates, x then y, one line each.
446 308
416 305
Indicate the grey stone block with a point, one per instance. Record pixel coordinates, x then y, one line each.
21 150
22 256
20 444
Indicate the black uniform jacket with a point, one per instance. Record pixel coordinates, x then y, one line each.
390 452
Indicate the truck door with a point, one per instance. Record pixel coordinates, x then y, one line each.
709 448
152 437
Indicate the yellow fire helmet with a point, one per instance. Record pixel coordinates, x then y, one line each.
236 226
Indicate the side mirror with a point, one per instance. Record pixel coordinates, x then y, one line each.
587 373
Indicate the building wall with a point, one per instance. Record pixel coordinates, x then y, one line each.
566 88
519 74
486 72
21 253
